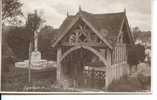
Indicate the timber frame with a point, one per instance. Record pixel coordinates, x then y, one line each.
113 54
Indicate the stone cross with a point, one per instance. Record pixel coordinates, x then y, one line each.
35 41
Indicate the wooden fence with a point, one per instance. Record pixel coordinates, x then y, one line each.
94 78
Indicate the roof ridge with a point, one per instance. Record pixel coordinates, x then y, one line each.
122 12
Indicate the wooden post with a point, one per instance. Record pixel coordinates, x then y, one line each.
119 51
59 72
113 67
121 70
107 77
112 58
125 53
119 66
29 66
108 57
122 53
118 54
117 61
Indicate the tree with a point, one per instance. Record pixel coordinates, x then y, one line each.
140 51
10 10
136 29
8 56
18 40
46 36
136 55
132 56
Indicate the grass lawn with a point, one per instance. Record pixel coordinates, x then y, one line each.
130 84
18 79
42 81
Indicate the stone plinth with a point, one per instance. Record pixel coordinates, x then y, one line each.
36 65
35 56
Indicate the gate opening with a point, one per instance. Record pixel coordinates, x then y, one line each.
83 69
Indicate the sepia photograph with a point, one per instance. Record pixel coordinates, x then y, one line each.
76 46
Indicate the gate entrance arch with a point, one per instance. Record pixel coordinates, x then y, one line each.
87 48
71 70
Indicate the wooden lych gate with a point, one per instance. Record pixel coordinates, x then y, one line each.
82 74
92 49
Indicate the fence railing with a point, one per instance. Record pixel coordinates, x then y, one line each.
94 78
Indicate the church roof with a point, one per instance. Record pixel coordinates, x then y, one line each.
108 25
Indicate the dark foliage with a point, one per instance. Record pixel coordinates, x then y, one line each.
46 35
8 56
145 36
132 56
11 9
33 22
18 40
136 54
140 52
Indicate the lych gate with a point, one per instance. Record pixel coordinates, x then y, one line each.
74 63
92 47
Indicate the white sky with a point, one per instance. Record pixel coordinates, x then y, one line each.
54 11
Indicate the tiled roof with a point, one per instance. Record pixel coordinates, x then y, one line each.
108 25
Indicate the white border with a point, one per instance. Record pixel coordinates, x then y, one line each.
145 97
154 46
